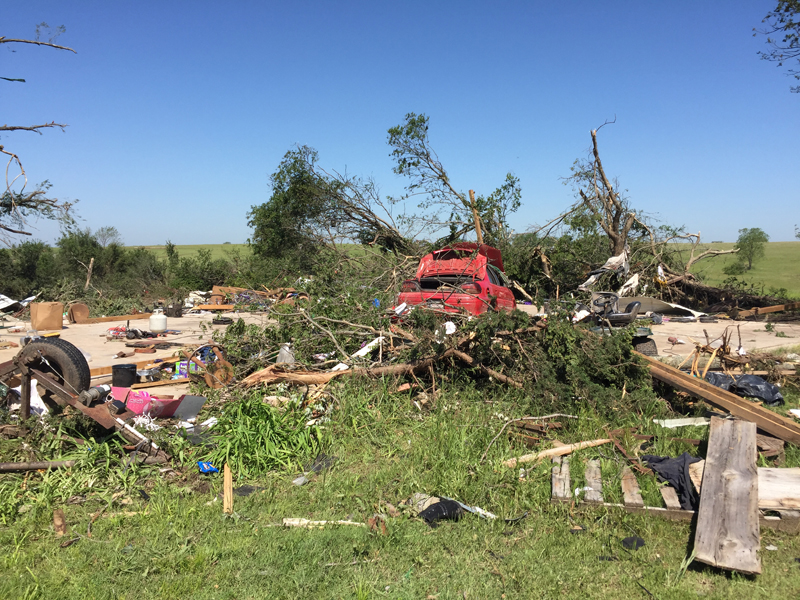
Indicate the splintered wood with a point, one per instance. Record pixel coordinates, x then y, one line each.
728 534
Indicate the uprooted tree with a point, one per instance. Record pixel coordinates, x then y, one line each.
565 251
17 205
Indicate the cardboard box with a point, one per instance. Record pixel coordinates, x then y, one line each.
47 316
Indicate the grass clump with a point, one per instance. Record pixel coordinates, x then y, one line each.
254 437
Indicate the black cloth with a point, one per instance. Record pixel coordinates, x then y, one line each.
675 471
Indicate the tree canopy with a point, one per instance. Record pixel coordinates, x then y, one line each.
750 245
783 36
443 206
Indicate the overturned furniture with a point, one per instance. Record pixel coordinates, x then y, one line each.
61 374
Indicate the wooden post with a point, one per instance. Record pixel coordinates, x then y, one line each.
475 216
25 397
227 490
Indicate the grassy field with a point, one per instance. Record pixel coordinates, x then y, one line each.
780 267
178 544
217 250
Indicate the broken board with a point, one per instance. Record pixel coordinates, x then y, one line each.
779 489
560 476
594 481
728 534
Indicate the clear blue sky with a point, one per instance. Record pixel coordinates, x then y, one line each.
179 111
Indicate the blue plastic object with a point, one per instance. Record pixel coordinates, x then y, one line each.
376 303
207 467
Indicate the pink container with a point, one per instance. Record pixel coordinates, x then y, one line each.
141 402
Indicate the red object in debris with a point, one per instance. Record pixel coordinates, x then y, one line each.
460 277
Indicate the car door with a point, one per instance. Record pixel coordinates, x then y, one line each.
505 297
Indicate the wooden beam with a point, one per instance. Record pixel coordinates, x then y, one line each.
135 317
150 384
142 364
215 307
765 419
728 534
754 312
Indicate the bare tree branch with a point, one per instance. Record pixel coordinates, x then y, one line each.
34 128
5 40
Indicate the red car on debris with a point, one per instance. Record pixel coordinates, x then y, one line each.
460 277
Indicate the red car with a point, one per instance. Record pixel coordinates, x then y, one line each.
460 277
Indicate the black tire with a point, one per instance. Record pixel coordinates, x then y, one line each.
66 363
646 346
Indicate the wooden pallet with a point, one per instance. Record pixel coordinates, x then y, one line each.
562 492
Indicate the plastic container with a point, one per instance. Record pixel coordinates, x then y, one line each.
123 376
158 321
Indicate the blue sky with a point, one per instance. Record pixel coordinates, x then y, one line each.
179 111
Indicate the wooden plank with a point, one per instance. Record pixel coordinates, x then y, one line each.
560 477
593 480
215 307
779 489
670 497
753 312
631 495
772 423
150 384
135 317
142 364
728 534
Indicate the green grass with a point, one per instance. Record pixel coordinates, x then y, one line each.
179 544
779 268
188 251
